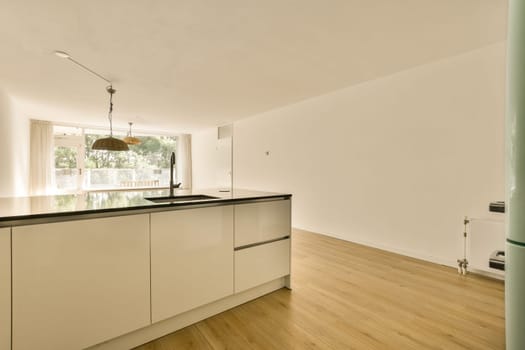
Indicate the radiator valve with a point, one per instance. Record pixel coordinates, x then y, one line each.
463 263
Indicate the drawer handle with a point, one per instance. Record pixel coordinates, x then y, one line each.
261 243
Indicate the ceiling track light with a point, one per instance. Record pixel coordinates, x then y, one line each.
109 143
63 54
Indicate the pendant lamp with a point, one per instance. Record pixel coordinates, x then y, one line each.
130 139
110 143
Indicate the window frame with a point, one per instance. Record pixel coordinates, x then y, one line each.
78 142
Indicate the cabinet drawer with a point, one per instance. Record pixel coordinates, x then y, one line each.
260 264
260 222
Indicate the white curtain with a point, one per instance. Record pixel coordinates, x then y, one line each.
184 160
41 162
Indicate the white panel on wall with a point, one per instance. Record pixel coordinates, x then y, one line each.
212 158
203 149
223 172
395 162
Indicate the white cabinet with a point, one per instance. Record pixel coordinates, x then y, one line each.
75 284
262 221
262 243
260 264
5 288
191 259
79 283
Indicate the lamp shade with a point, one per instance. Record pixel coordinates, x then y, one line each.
131 140
110 144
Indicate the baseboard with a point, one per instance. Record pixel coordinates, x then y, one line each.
488 274
162 328
412 254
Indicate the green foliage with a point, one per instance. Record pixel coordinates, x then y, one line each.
152 152
65 158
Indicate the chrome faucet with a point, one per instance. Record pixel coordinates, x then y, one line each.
172 183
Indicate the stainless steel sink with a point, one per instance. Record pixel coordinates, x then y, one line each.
181 198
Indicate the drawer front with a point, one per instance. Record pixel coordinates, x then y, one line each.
263 221
260 264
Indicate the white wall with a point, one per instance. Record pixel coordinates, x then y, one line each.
14 149
395 162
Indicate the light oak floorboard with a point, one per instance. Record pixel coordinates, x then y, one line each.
349 296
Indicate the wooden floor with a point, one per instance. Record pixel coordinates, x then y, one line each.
347 296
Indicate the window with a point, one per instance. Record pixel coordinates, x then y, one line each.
78 167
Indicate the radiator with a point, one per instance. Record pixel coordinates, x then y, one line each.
485 237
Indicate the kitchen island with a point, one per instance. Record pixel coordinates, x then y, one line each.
112 270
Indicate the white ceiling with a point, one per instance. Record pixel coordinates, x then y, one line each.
184 65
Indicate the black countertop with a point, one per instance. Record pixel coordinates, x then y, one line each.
30 210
